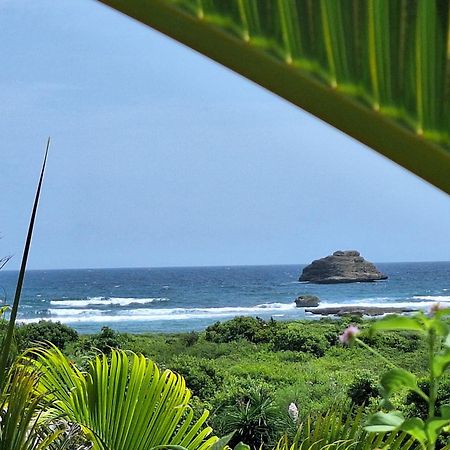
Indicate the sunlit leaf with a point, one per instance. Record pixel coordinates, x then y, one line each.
441 362
398 378
434 426
377 70
126 402
416 428
382 422
397 323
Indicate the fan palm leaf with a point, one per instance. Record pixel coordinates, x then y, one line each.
27 420
341 428
125 402
378 70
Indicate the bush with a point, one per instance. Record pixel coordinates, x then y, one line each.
252 329
301 339
363 388
254 419
190 339
400 341
200 374
105 341
54 332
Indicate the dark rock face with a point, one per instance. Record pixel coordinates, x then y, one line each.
358 311
341 267
307 301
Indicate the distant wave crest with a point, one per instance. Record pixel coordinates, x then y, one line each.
70 315
434 298
107 301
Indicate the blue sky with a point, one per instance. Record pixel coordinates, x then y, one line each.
161 157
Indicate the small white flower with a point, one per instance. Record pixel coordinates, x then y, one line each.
293 412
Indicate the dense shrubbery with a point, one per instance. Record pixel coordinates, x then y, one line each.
298 336
105 341
364 388
247 370
252 329
202 377
402 341
54 332
300 339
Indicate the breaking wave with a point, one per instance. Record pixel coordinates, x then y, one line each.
70 315
107 301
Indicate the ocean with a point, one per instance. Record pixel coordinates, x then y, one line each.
191 298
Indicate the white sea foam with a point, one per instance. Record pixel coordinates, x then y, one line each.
107 301
73 312
434 298
68 315
77 311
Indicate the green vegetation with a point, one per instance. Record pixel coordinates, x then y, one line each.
56 333
247 371
120 403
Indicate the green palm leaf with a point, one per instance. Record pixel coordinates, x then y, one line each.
27 420
341 428
379 70
125 402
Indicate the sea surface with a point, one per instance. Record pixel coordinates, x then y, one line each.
191 298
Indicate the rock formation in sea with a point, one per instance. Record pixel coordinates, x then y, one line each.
307 301
341 267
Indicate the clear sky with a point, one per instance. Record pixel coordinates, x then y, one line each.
161 157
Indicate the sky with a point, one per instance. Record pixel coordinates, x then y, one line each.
162 157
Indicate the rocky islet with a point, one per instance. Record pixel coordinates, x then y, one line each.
341 267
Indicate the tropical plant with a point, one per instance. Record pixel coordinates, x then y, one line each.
45 330
364 388
104 341
124 402
436 330
377 70
341 428
254 419
7 341
25 417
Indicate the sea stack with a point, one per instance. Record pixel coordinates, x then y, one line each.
341 267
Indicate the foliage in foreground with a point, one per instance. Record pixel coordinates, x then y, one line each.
436 332
341 428
124 402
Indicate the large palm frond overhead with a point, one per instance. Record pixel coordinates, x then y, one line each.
379 70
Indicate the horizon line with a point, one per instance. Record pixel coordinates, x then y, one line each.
205 266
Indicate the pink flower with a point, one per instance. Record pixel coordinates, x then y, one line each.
436 307
349 334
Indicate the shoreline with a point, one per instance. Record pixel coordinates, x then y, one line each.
369 311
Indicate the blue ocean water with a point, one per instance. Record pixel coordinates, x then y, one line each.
190 298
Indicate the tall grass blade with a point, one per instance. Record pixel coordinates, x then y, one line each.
7 340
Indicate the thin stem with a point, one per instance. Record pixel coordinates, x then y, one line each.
433 380
7 340
376 353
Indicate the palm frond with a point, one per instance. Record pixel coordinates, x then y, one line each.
26 417
341 428
378 70
125 402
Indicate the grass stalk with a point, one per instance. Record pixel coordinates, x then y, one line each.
7 340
